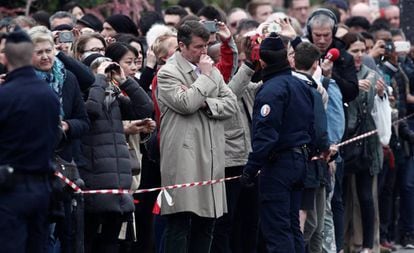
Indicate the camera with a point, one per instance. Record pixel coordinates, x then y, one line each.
211 26
274 27
65 37
113 67
389 47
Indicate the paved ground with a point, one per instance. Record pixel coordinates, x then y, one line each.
404 251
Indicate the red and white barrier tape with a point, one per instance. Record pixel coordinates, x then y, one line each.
163 189
77 189
201 183
67 181
367 134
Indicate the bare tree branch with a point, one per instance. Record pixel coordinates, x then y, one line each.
28 4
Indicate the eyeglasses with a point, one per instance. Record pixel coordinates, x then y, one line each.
95 49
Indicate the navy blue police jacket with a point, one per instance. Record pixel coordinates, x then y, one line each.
29 120
283 117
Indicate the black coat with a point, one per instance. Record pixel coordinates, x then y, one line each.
82 73
344 72
29 119
76 117
105 148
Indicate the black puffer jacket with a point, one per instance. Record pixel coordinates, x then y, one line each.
104 147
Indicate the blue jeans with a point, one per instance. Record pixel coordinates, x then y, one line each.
407 197
280 198
23 216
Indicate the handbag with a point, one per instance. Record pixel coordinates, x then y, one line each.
356 157
68 169
60 190
356 154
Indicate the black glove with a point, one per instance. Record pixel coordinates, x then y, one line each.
247 180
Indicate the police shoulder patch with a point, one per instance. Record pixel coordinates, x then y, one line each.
265 110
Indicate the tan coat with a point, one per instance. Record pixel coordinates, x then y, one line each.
192 138
237 128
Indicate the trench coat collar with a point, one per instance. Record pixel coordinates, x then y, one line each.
185 65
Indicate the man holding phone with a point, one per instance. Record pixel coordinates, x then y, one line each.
64 38
221 43
194 101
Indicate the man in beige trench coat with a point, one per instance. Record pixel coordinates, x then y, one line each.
194 100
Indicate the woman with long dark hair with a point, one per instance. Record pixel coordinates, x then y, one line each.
361 121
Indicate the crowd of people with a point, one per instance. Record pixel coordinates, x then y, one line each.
265 93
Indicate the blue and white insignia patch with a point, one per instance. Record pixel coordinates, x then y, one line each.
265 110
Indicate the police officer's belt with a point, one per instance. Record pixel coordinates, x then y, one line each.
303 150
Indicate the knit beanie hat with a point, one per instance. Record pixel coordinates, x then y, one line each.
273 43
91 21
273 51
122 24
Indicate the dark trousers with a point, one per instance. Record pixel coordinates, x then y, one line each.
67 233
364 181
159 228
24 216
280 192
406 181
188 232
144 218
337 205
386 182
101 232
246 221
241 236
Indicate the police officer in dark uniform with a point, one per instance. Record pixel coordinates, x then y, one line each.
283 121
29 120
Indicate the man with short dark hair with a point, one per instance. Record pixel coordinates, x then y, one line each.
174 14
194 102
211 13
357 24
191 6
29 120
314 197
